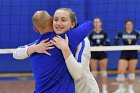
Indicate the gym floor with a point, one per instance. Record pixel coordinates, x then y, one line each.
26 85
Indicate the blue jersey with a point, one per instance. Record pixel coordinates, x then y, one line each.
50 72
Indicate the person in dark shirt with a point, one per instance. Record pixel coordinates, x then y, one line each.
128 58
99 37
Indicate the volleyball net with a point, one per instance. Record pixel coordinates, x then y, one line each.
95 48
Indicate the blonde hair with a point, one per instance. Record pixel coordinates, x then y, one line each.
72 14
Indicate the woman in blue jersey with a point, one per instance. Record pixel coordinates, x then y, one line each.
78 67
98 37
128 58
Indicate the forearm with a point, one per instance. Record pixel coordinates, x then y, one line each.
31 50
20 53
66 52
73 66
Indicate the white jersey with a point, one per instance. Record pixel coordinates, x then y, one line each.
78 67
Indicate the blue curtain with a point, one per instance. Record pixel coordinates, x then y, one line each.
16 25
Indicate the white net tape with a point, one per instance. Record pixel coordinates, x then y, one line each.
6 51
115 48
97 48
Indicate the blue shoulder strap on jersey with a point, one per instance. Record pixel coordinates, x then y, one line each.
81 51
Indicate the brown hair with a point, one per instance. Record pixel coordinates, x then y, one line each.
98 19
128 20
